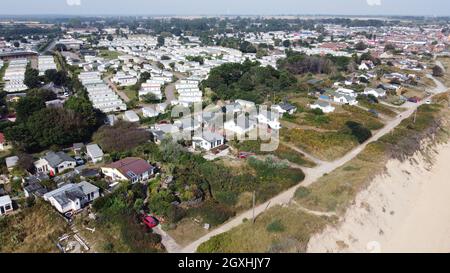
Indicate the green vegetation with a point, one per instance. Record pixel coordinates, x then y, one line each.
324 145
34 229
118 227
248 81
283 152
335 191
278 230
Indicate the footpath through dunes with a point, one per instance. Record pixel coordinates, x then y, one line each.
404 209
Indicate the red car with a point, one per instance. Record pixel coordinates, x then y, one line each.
150 221
244 155
414 99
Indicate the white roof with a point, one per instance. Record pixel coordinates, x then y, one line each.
94 150
5 200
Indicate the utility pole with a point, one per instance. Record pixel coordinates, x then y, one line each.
254 201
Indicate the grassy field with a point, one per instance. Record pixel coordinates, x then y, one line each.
336 190
34 229
380 108
279 229
446 63
283 152
109 55
323 145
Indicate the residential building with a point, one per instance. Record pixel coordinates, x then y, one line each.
131 169
53 163
94 152
72 197
207 140
325 106
5 205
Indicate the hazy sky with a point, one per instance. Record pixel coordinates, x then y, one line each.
223 7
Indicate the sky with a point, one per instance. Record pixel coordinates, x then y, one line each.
225 7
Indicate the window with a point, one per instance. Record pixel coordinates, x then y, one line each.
8 207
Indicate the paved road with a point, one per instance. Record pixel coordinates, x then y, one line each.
121 94
168 242
311 176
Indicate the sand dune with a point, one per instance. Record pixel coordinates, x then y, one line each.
407 209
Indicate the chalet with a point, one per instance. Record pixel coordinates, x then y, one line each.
11 162
131 169
131 116
325 106
285 108
94 152
5 205
72 197
379 92
207 140
240 125
54 163
270 118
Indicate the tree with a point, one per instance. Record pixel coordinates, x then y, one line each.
59 78
389 47
16 44
161 41
360 132
61 47
110 37
27 106
438 71
32 77
360 46
122 137
286 43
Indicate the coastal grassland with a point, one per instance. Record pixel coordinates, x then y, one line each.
323 145
336 190
34 229
283 152
280 229
380 108
446 63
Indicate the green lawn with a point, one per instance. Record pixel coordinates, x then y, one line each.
109 55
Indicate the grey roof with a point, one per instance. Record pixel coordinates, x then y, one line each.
87 187
211 136
35 188
322 103
286 106
78 146
158 134
54 159
94 150
11 161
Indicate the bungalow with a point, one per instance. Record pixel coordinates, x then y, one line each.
207 140
72 197
379 92
11 162
5 205
188 124
269 118
131 169
285 108
54 163
245 103
325 106
344 99
241 125
94 152
130 116
149 112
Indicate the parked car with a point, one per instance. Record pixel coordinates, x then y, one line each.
244 155
428 101
414 99
150 221
79 161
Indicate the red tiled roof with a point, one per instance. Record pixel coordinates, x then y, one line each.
131 164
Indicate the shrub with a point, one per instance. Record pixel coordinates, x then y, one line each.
275 226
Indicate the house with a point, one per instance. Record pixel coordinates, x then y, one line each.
344 99
54 163
111 120
72 197
130 116
77 147
325 106
269 118
94 152
5 205
2 142
245 103
241 125
187 124
11 162
149 112
377 93
33 187
131 169
284 108
207 140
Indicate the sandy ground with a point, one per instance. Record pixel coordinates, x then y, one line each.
404 210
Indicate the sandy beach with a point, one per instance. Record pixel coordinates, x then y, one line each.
406 209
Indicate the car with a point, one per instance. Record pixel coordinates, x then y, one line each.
244 155
414 99
150 221
79 161
428 101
